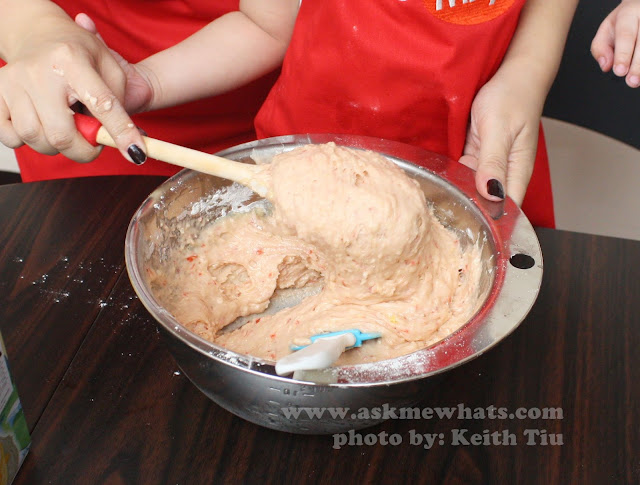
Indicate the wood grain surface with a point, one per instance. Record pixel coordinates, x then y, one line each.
106 402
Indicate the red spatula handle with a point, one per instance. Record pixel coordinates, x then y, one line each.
245 174
88 127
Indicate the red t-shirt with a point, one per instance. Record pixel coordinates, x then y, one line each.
138 29
402 70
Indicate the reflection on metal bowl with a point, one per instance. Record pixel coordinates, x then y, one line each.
249 387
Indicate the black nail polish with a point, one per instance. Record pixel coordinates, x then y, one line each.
137 155
494 187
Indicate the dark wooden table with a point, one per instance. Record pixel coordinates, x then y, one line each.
106 403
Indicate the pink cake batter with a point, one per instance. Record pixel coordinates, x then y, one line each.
347 220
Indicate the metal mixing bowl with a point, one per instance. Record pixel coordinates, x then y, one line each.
248 386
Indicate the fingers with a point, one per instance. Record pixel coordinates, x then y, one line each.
118 124
503 166
520 170
60 132
92 90
491 170
26 124
633 73
616 45
35 112
8 135
107 68
84 21
50 134
603 44
137 94
626 33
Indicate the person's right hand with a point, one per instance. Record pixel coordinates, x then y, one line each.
59 64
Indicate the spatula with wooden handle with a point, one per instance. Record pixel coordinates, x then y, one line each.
249 175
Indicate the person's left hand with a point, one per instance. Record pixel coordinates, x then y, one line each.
616 43
502 138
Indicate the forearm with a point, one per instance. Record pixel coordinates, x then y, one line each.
537 46
230 52
22 19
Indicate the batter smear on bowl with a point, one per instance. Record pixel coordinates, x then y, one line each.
349 222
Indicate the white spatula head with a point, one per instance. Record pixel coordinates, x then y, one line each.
319 355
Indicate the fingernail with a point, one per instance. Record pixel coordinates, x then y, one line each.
494 187
137 156
603 62
634 81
